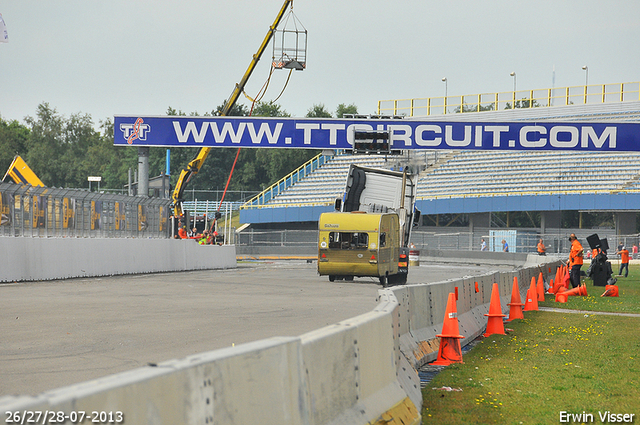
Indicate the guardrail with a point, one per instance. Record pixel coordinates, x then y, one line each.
530 193
466 195
38 259
208 208
52 212
359 371
573 95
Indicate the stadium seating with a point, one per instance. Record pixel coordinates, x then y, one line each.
477 173
480 173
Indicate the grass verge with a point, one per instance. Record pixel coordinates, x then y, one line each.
627 302
547 364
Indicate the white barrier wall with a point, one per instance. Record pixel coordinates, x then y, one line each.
359 371
425 305
345 373
29 259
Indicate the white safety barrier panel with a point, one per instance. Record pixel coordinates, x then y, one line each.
255 383
359 371
345 373
30 259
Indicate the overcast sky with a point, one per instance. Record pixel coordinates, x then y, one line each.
138 57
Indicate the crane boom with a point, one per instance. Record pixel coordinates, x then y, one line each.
194 166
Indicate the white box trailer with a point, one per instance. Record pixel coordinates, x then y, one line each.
371 191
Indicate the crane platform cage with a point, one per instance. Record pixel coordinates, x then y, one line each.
290 44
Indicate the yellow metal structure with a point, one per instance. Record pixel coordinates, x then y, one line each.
575 95
20 173
358 244
194 166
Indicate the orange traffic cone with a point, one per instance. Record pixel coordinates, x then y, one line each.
551 288
560 283
611 291
561 295
515 306
450 350
577 291
494 324
531 303
540 288
566 278
556 280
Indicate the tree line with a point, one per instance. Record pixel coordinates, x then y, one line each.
63 151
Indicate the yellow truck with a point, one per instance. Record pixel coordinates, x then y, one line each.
369 236
358 244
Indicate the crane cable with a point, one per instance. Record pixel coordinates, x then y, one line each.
285 86
261 92
258 98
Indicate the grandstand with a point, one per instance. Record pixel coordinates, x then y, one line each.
467 181
481 173
453 174
327 183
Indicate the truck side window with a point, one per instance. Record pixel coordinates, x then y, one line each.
360 240
333 240
383 240
347 240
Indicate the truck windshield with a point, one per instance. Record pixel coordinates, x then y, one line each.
347 240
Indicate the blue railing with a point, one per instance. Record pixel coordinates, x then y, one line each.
287 181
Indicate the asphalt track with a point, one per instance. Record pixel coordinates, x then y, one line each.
58 333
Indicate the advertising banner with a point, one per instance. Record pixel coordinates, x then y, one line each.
334 133
120 216
96 214
164 219
5 209
142 218
39 212
68 213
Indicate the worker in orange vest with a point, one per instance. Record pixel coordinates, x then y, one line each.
575 260
624 261
542 250
181 232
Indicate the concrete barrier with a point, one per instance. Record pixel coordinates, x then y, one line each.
30 259
427 305
352 372
265 389
471 257
359 371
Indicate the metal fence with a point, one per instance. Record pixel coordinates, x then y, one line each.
575 95
290 238
50 212
520 240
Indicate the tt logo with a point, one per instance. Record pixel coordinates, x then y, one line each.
138 130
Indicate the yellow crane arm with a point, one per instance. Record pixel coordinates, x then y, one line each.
194 166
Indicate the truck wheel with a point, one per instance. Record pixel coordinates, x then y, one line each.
383 281
348 278
331 278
